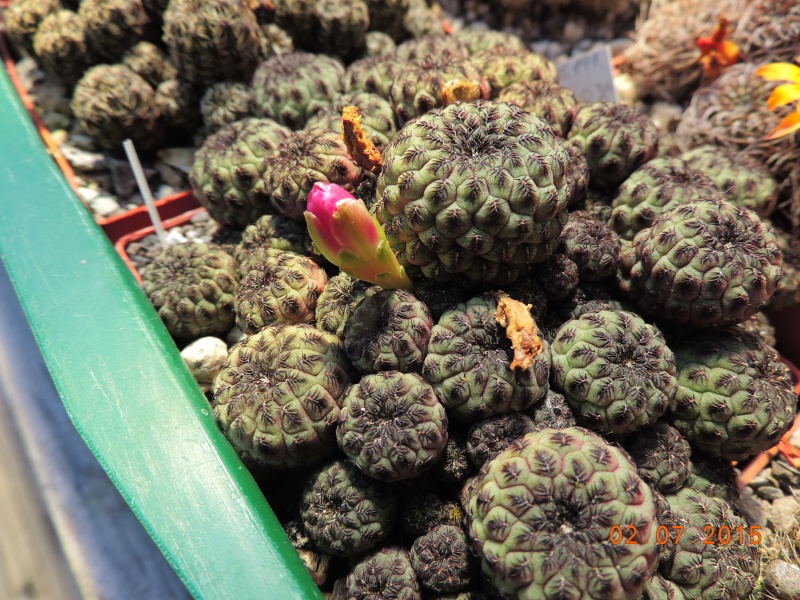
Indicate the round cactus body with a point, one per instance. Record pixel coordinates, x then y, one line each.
212 40
338 299
615 370
435 81
150 62
392 426
345 512
736 398
291 87
277 399
270 233
479 40
385 575
709 570
655 187
192 287
225 103
662 456
62 46
373 75
741 179
340 27
280 289
488 438
447 46
468 364
574 488
442 559
229 170
388 331
112 103
591 245
547 100
377 117
505 67
114 26
22 19
305 158
705 263
615 139
473 193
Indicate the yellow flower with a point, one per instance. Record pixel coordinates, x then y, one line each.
783 95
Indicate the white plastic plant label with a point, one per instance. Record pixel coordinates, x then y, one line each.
590 76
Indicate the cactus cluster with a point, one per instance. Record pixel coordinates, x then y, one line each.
479 322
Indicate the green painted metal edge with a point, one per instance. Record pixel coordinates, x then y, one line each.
126 389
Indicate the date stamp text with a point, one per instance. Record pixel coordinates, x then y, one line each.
721 536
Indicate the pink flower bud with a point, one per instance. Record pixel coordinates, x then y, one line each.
346 234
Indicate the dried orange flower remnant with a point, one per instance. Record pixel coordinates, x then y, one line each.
460 91
717 51
783 95
520 329
360 147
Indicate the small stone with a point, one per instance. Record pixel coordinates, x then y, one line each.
171 176
205 358
179 158
104 205
782 514
626 89
82 142
59 136
28 73
782 579
786 474
234 336
82 160
56 120
175 237
88 194
201 218
763 478
164 191
769 492
751 508
134 248
316 563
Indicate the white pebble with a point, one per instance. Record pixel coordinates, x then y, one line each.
205 357
165 190
104 205
82 160
175 237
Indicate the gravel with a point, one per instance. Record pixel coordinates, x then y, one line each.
105 180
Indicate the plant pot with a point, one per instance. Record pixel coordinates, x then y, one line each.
137 219
122 242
